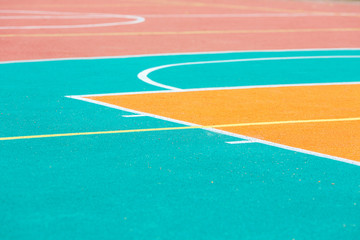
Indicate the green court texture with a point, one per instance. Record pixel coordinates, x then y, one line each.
182 184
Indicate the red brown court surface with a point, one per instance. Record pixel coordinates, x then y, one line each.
175 27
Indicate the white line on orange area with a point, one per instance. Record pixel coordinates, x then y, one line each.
132 116
131 110
219 88
173 129
222 132
251 15
241 142
67 15
172 33
143 76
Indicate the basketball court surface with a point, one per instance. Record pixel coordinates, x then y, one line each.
213 119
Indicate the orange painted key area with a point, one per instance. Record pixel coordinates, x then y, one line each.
267 106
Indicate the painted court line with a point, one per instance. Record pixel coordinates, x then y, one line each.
195 126
283 122
143 76
184 128
96 6
36 12
132 116
236 135
240 142
191 124
227 6
252 15
243 7
57 15
84 16
64 15
215 88
164 33
61 15
180 54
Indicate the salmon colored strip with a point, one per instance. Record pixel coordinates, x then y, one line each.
182 32
226 6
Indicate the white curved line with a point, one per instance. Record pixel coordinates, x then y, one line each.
253 15
191 124
143 76
64 15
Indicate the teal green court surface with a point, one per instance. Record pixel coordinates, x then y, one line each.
180 184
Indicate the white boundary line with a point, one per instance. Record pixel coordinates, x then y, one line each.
143 76
83 16
252 15
218 88
215 15
68 15
132 116
220 131
191 124
178 54
240 142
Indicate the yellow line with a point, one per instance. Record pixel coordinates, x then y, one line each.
181 128
87 5
80 5
286 122
163 3
243 7
182 32
176 3
227 6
